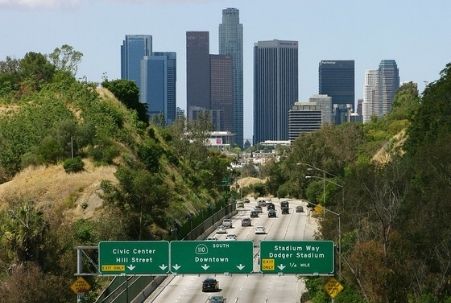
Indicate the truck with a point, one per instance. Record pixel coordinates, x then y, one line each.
285 206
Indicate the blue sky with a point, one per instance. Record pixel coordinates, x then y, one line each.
417 34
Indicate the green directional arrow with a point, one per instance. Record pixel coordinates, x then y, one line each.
297 257
134 257
197 257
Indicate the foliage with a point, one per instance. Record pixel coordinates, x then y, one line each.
128 93
73 165
396 234
66 59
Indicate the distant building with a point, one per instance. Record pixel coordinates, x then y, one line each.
336 79
221 91
158 83
306 117
360 107
133 49
380 87
275 88
231 43
180 113
197 72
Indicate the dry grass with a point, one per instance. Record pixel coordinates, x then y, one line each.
51 188
394 146
245 182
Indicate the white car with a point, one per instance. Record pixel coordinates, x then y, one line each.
221 230
259 230
227 223
212 238
230 237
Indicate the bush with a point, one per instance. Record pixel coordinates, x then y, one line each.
73 165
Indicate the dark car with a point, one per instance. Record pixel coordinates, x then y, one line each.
246 222
285 210
299 209
272 213
254 214
216 299
284 204
270 206
210 284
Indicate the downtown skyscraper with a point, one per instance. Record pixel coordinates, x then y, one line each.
133 49
275 88
336 79
379 89
158 84
231 44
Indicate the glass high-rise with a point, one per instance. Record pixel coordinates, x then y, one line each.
221 91
197 72
379 89
231 43
133 49
336 79
158 82
275 88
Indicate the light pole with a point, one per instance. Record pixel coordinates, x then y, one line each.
332 212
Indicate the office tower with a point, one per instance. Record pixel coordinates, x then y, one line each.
158 83
379 89
197 72
180 113
360 107
221 92
133 49
388 84
305 117
275 88
336 79
370 95
231 43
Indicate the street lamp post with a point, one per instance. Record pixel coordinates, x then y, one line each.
335 213
339 234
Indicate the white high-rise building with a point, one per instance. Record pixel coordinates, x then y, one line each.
379 89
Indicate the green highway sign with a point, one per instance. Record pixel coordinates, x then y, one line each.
134 257
297 257
198 257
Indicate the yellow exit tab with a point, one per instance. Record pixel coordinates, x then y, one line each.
268 264
113 267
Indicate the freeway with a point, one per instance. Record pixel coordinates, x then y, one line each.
253 287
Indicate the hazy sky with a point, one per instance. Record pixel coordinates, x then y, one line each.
417 34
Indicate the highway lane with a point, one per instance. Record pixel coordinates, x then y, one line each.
253 287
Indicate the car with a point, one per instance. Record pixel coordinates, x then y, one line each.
247 200
259 230
270 206
254 214
210 284
221 230
227 223
285 210
284 204
216 299
272 213
261 203
212 238
299 209
239 205
258 209
246 222
230 237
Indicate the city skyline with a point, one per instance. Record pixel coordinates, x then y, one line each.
408 35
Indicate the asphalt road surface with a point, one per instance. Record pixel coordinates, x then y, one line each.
254 287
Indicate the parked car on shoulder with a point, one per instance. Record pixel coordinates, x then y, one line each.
299 209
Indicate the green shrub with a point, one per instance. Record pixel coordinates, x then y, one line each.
73 165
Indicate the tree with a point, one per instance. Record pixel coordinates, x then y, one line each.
128 93
66 59
36 70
